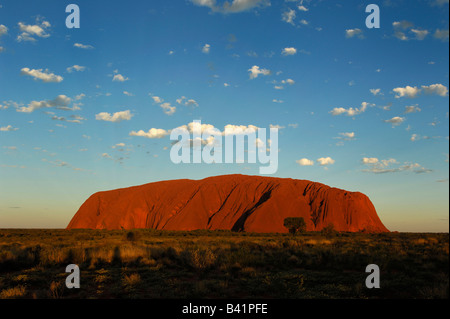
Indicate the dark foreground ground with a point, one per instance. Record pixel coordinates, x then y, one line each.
221 264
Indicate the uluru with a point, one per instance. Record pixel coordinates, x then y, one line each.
229 202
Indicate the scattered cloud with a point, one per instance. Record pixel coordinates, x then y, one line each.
413 92
3 30
412 109
376 92
76 67
255 71
206 48
305 162
350 111
167 108
346 136
395 121
288 16
236 6
116 117
8 128
31 31
61 102
407 91
370 160
391 166
128 93
350 33
289 51
83 46
187 102
44 76
441 35
152 133
420 34
325 161
288 81
437 89
119 77
157 99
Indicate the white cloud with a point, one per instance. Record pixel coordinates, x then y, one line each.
438 89
289 51
412 109
157 99
395 121
305 162
350 111
402 25
277 101
370 160
441 35
415 137
167 108
119 78
288 81
255 71
391 166
347 136
40 75
83 46
152 133
304 22
76 67
29 32
235 6
350 33
407 91
420 34
116 117
61 102
302 8
187 102
128 93
3 30
413 92
288 16
80 97
206 48
8 128
375 91
324 161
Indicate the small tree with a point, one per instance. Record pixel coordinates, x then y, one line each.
295 224
329 231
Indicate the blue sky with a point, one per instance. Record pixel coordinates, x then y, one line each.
373 101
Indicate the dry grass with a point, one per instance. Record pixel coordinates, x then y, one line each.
13 293
220 264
